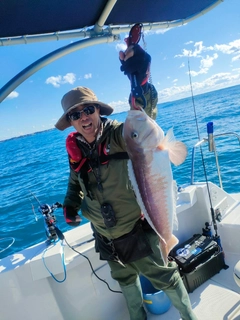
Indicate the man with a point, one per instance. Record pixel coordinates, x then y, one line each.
100 187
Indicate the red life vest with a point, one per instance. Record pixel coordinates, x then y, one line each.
76 158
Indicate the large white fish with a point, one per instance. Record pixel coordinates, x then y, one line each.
150 172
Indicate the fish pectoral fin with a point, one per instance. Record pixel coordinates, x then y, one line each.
177 150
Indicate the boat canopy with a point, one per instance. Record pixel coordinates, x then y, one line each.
27 17
97 21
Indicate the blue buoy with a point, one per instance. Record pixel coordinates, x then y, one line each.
155 301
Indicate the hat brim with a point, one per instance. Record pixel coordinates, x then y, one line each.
63 123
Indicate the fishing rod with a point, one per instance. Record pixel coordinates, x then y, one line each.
201 152
214 216
48 218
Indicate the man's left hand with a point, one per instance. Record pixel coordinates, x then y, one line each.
136 60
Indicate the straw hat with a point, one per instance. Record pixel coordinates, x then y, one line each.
79 96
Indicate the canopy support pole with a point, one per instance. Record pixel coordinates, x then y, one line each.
49 58
107 10
99 29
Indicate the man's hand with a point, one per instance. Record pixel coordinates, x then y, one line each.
71 216
128 53
136 60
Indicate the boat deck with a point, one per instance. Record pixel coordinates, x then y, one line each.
216 299
27 282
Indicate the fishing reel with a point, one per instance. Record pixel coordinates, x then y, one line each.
50 220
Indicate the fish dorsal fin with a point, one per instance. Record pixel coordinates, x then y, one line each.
177 150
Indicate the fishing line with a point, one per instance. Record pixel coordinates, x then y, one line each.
201 151
33 210
8 238
150 75
35 197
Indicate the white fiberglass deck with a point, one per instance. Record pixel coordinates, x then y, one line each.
29 292
216 299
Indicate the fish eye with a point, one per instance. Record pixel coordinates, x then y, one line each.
134 135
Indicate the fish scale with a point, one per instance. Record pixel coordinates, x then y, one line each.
151 176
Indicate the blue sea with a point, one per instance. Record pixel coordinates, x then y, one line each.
36 165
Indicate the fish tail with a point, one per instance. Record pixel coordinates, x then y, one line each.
166 247
163 251
171 243
177 150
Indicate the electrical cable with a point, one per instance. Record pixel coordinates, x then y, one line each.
115 291
61 236
63 263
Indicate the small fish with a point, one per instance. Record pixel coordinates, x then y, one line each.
149 167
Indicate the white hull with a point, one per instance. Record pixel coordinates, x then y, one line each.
29 292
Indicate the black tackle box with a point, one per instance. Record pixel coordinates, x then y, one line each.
199 258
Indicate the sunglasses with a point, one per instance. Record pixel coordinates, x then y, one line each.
78 114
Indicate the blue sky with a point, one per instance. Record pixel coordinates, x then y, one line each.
211 43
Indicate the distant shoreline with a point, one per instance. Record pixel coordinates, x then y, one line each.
121 112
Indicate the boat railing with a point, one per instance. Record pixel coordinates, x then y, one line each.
212 148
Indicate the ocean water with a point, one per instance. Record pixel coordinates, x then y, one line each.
36 165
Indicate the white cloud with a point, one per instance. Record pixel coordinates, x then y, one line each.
232 47
157 31
87 76
236 58
12 95
119 106
236 70
55 81
69 78
208 61
189 42
205 65
199 51
215 82
58 80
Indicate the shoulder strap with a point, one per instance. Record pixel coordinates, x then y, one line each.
118 155
84 169
81 163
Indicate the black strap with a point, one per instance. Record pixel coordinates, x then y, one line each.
103 158
118 155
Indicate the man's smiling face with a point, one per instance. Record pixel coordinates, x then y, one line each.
88 124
